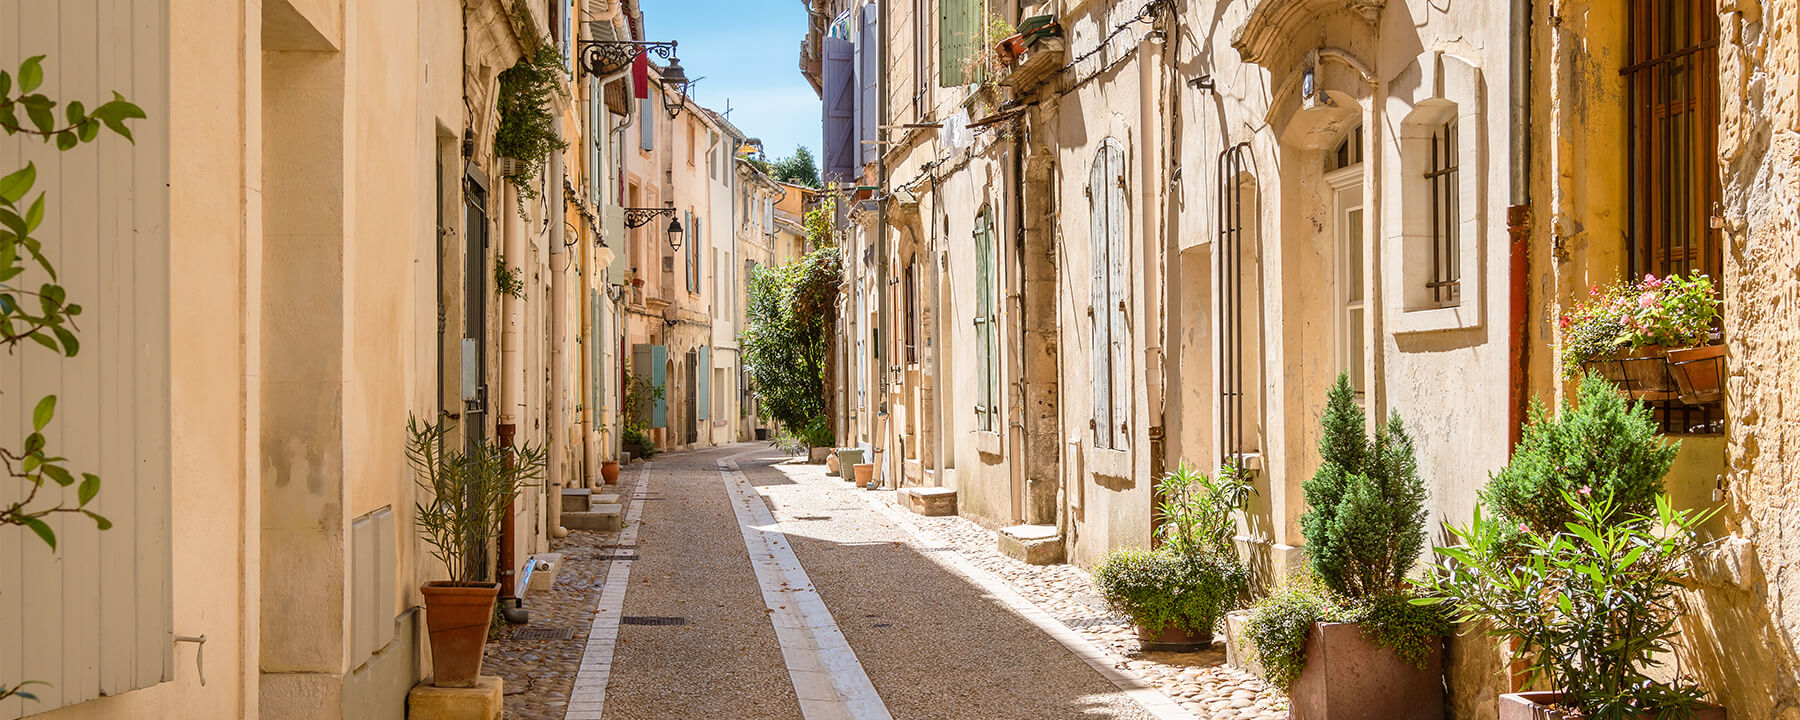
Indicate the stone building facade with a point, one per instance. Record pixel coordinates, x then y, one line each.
1156 233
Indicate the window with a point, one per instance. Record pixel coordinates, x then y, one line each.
1445 284
1110 337
921 19
1352 318
1672 86
1349 151
987 335
909 288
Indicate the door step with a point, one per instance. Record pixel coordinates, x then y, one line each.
930 502
603 517
576 500
1031 544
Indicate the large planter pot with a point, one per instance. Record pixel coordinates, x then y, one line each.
1349 677
609 471
1643 373
864 472
457 617
817 455
1173 638
848 458
1540 706
1699 373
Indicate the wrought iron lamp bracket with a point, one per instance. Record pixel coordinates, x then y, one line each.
639 217
605 57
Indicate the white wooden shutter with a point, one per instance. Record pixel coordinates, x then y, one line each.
1117 258
1098 315
702 380
93 617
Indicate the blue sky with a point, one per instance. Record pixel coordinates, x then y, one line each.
748 51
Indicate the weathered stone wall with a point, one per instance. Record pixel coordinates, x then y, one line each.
1741 640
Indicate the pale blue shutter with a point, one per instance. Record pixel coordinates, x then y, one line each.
868 71
593 346
659 377
702 384
839 96
1117 255
699 257
1098 315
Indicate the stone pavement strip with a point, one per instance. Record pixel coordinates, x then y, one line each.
751 575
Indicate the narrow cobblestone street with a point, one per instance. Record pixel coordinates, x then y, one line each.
847 608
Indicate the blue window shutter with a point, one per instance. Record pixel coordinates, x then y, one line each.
646 124
702 384
659 377
593 345
839 84
699 257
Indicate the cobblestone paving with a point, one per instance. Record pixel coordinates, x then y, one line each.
1200 682
539 673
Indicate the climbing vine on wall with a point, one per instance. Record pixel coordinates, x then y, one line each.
528 127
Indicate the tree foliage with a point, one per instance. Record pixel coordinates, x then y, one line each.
798 168
1365 521
787 336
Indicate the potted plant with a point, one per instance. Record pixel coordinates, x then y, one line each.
1653 338
1591 607
465 496
1176 594
1575 557
1346 641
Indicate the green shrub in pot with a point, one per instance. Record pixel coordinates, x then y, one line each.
1592 606
1160 588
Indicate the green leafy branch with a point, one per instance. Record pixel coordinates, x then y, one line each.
81 125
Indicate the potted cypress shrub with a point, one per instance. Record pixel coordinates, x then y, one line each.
1575 557
1347 642
464 497
1176 594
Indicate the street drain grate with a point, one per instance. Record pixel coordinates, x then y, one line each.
616 556
651 620
938 548
544 633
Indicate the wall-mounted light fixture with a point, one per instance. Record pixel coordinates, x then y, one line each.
605 57
638 217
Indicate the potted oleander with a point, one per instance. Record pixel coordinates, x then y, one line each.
1654 338
1342 638
463 498
1590 608
1575 558
1176 594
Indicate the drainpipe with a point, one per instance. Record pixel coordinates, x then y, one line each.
512 390
559 328
884 419
1518 220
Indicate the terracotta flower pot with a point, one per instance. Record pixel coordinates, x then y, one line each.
1349 676
1541 706
864 472
832 464
457 616
1173 638
1699 373
609 471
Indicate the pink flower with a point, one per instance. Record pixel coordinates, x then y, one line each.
1585 490
1651 281
1647 300
1523 528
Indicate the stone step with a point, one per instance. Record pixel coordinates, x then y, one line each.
576 499
929 501
605 499
603 518
1032 544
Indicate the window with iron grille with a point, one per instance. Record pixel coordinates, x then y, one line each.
1672 85
1445 284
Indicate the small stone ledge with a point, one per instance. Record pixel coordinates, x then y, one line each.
1031 544
930 502
603 518
482 702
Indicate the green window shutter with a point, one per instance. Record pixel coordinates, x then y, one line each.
640 367
959 29
986 412
702 384
659 377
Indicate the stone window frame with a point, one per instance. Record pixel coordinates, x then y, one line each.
1454 92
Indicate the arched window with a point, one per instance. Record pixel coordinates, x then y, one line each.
1111 375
